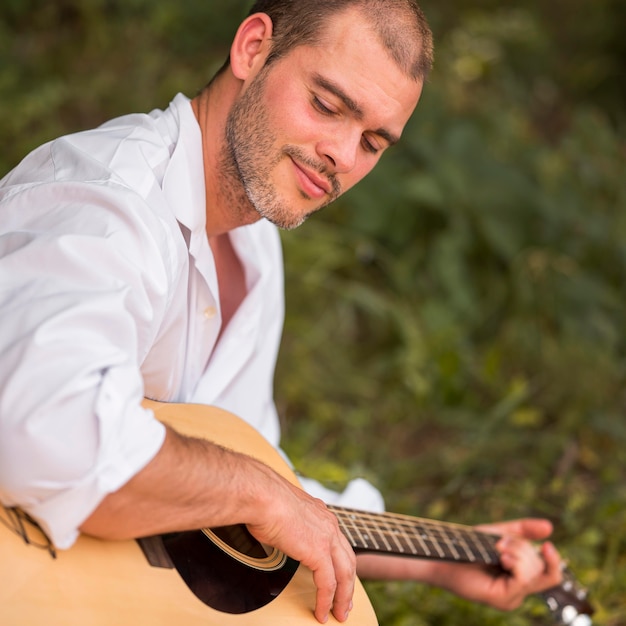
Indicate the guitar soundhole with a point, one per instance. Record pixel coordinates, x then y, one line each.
217 578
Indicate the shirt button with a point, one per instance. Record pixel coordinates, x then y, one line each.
210 312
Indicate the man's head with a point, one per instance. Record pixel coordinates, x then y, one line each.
315 92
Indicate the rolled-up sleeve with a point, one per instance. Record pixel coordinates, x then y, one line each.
78 309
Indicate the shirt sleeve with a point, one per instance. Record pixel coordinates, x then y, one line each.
77 310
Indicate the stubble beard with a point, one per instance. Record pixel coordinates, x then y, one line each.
247 163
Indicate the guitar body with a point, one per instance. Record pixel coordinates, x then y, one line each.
101 583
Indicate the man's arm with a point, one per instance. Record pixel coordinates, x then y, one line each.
192 483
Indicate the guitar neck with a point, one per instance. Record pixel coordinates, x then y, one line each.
415 537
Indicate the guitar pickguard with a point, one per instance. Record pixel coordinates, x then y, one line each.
222 581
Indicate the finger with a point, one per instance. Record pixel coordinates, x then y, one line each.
554 565
535 529
521 558
530 528
326 584
532 570
334 578
345 570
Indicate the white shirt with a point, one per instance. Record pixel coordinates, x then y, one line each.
108 292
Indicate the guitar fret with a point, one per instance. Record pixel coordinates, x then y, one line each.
427 537
486 552
420 538
394 536
410 546
453 552
370 535
481 548
346 531
460 536
375 535
382 536
364 536
458 547
493 554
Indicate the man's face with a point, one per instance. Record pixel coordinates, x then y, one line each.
314 123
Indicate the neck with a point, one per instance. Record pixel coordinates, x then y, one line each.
227 205
411 536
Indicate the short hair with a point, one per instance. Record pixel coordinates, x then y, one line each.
400 24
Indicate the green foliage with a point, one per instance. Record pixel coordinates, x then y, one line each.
455 323
72 64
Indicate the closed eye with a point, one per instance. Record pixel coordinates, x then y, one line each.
321 107
369 146
325 109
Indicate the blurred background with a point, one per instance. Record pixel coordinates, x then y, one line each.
455 328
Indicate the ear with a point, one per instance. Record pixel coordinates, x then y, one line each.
251 45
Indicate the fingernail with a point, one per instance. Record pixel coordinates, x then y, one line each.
347 615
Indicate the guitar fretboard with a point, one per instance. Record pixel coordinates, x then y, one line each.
410 536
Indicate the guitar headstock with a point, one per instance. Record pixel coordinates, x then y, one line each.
568 602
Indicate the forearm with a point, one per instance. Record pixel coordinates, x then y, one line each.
430 572
189 484
384 567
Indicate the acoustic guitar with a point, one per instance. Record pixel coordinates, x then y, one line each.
218 576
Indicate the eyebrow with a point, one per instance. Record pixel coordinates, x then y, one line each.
352 106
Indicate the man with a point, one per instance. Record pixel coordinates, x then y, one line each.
142 259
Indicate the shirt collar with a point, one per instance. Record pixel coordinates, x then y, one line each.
183 183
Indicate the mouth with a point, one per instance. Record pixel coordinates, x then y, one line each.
312 184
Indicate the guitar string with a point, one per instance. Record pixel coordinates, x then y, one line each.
405 519
410 523
449 540
406 523
454 548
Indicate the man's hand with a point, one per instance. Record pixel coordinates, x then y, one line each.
528 570
304 528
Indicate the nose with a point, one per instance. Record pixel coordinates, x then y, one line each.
340 152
